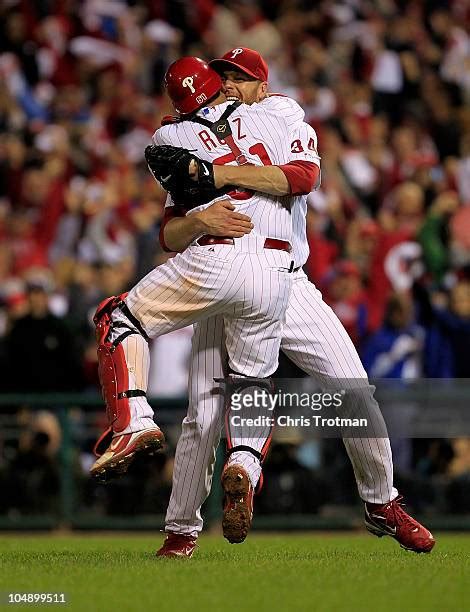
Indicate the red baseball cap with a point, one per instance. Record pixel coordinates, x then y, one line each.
245 60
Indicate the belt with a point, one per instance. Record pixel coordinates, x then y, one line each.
269 243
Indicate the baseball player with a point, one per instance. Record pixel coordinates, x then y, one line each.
242 272
314 339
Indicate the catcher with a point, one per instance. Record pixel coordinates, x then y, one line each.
243 272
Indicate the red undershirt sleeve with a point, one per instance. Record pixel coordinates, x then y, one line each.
302 176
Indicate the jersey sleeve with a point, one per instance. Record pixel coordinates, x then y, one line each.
304 145
161 136
284 107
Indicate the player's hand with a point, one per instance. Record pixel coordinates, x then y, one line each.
220 219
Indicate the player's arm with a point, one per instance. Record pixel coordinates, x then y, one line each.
298 177
177 231
267 179
294 178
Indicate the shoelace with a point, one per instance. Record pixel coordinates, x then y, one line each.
400 517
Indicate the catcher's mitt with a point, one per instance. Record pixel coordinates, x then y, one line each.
170 167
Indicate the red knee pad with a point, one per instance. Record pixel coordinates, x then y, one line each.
102 316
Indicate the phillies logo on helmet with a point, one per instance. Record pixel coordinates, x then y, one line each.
236 52
188 82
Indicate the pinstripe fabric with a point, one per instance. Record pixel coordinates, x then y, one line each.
260 123
285 107
250 289
313 336
315 340
305 149
201 429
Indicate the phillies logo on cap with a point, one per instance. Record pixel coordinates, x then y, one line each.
188 82
236 52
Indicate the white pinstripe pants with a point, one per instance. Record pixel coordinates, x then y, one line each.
314 339
246 285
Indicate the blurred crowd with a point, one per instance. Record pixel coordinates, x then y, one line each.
386 85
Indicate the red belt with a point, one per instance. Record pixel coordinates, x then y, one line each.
269 243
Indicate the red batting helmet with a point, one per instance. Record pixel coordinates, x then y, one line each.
243 59
190 83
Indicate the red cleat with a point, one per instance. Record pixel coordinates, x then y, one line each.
123 449
390 519
177 546
238 503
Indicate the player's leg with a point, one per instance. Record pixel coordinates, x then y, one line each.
172 296
315 340
196 448
187 289
199 283
123 359
253 331
191 287
248 427
195 452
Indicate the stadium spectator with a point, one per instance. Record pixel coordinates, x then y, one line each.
449 334
34 465
395 350
385 84
343 291
41 353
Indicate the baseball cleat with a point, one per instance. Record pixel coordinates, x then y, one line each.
390 519
177 546
238 503
122 451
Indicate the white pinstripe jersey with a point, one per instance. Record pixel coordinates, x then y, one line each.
304 146
270 132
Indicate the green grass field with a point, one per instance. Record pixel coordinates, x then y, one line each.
268 572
